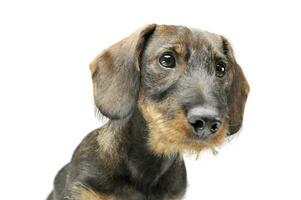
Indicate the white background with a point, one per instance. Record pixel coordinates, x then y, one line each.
46 104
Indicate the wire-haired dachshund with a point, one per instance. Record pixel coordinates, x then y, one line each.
166 90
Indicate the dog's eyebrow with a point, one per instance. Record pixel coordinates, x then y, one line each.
178 48
169 48
219 55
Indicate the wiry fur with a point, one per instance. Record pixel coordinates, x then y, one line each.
137 154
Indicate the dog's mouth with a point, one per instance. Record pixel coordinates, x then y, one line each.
199 138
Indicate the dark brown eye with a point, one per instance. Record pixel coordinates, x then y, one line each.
167 60
220 69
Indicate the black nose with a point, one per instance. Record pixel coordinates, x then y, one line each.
204 121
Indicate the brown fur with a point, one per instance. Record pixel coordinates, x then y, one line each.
138 153
109 141
88 194
171 136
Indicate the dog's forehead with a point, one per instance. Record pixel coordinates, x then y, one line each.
185 35
212 39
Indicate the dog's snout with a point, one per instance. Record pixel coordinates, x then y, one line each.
204 121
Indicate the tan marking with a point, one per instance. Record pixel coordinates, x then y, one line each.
170 136
109 139
88 194
166 29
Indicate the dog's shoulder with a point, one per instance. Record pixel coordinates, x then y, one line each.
103 149
100 149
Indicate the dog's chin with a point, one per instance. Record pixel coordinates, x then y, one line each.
187 142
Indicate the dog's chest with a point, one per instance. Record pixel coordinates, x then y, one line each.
155 182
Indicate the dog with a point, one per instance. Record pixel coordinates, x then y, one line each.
166 90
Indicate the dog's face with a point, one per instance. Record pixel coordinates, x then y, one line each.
185 82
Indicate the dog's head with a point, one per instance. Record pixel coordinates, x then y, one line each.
185 82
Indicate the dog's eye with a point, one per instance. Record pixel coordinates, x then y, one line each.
220 69
167 60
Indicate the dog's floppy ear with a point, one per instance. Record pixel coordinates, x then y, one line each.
116 75
238 92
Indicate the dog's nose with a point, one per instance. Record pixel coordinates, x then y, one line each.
204 121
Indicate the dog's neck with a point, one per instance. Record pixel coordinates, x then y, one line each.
143 165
